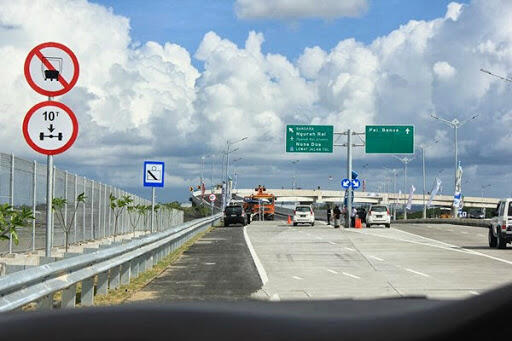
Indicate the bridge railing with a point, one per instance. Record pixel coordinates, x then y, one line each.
104 269
23 183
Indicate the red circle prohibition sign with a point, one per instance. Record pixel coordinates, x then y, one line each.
66 84
65 109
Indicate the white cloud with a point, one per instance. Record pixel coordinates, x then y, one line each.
295 9
443 70
137 101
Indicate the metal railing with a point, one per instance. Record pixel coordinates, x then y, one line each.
23 183
104 269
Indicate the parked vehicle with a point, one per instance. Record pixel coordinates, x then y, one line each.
378 215
476 214
500 232
234 214
303 214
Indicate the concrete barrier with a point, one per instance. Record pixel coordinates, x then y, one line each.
486 223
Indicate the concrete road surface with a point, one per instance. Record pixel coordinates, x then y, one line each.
438 261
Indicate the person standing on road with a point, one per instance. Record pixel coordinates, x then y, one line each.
337 214
353 215
328 215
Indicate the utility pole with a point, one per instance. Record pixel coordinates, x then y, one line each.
455 124
405 161
227 194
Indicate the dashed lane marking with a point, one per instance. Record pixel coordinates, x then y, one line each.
350 275
376 258
332 271
417 272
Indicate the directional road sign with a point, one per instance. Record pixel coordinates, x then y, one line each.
390 139
212 197
50 128
345 183
154 174
51 69
356 183
309 139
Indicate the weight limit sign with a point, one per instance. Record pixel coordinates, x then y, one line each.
50 128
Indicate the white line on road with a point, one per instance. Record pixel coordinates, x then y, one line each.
417 272
256 260
376 258
332 271
350 275
297 277
332 243
350 249
474 292
463 232
318 237
446 246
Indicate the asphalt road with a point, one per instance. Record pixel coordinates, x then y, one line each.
217 267
437 261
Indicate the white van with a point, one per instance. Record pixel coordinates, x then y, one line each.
378 215
303 214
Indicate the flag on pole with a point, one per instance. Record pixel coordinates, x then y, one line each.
458 188
409 201
434 191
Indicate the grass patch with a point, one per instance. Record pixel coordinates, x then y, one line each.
124 292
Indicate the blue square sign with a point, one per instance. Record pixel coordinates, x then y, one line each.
154 174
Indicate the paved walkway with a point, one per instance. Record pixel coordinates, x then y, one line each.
217 267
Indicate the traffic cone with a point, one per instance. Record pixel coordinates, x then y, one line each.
289 220
358 224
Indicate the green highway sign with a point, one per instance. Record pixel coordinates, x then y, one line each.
309 139
390 139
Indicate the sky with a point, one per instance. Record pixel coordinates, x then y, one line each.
172 80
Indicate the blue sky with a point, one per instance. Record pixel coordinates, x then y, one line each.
186 22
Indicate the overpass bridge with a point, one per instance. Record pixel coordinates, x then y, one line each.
330 196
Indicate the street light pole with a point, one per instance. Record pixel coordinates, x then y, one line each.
405 161
227 193
294 162
422 147
455 124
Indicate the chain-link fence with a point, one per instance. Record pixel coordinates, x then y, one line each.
23 183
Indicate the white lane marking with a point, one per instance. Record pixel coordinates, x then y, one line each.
376 258
318 237
480 234
256 260
463 232
474 292
332 243
275 298
209 263
297 277
350 275
449 247
350 249
417 272
332 271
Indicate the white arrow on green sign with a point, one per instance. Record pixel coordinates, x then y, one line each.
309 138
390 139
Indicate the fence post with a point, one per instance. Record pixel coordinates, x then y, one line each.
105 209
11 194
99 210
109 213
92 209
34 203
75 185
83 210
66 204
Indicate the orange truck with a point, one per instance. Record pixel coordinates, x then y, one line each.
267 201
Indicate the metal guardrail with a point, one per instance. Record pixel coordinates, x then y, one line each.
467 222
112 266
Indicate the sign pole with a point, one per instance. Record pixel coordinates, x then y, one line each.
349 177
49 201
152 209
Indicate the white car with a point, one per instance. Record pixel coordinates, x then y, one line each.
303 214
378 215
